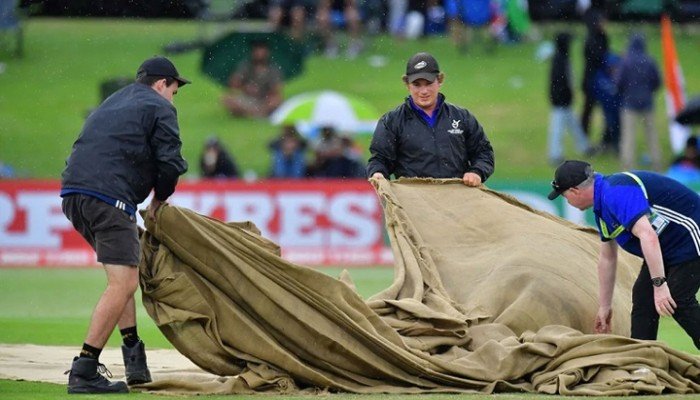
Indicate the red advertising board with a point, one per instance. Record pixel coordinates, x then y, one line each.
316 222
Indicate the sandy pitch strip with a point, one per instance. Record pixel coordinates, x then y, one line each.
48 363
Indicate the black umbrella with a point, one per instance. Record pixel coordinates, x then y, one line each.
690 114
221 57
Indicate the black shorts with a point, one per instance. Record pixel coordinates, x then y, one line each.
110 231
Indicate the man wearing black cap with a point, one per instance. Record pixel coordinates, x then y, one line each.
653 217
428 137
129 146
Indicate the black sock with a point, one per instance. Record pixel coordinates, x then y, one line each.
129 336
90 352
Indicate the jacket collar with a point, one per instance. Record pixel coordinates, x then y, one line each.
418 111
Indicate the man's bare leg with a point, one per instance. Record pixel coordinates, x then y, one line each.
133 349
122 282
84 376
128 318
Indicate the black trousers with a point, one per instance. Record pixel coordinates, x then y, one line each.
683 281
589 103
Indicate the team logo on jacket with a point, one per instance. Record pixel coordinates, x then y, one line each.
455 127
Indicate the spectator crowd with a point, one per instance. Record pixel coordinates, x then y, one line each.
331 155
622 85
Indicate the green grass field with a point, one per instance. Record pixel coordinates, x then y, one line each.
46 94
44 98
37 391
54 306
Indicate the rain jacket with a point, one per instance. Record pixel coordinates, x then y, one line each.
404 144
638 77
129 145
595 48
560 93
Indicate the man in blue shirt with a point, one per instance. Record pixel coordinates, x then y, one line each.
650 216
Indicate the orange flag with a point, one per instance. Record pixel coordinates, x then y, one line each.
675 91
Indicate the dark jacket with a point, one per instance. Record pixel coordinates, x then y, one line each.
560 94
129 145
638 77
595 48
224 166
404 144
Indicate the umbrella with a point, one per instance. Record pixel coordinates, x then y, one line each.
690 114
327 108
221 57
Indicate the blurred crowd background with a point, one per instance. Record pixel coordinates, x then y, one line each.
317 137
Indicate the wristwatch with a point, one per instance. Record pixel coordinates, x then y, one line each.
658 281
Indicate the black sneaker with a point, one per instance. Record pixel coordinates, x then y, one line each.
85 377
135 364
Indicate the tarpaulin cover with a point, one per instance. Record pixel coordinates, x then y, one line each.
488 295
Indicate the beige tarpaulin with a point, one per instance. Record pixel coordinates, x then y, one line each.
488 295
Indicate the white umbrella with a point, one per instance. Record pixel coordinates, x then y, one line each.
327 108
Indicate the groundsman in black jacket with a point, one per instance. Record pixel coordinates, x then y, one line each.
428 137
129 146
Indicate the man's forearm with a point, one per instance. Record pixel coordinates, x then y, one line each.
607 268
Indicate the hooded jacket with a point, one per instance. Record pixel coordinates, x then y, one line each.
595 48
638 77
560 94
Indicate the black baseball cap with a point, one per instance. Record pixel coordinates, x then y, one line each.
161 66
422 66
570 173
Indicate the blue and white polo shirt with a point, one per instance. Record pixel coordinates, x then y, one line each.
673 209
